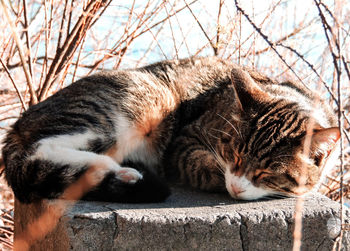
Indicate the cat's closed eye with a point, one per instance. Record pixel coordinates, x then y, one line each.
257 178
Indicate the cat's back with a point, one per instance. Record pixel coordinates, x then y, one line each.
154 90
94 102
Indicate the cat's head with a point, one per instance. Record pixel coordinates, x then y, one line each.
280 153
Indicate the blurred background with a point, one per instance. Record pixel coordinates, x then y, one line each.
47 44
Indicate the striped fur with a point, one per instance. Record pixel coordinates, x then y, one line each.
204 121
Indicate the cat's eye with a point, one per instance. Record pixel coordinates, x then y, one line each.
260 176
286 189
237 163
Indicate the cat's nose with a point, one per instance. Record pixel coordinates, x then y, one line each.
236 190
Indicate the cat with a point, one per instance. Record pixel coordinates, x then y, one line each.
203 121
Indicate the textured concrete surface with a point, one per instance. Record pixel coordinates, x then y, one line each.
189 220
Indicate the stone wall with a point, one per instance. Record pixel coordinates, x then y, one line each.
189 220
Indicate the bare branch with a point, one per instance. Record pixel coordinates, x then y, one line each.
60 32
296 31
133 36
14 85
26 31
77 63
172 34
218 29
268 41
70 45
203 30
34 99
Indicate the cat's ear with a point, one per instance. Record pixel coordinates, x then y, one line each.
324 140
247 90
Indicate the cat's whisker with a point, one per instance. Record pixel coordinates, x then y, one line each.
213 135
219 161
217 158
276 196
222 178
223 132
238 133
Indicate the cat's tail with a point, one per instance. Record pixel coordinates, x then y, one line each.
14 155
33 179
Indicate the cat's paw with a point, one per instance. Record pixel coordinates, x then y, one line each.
128 175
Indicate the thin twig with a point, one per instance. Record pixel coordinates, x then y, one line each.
134 36
10 117
201 27
70 45
69 18
34 98
47 41
172 33
296 31
218 29
26 31
81 37
182 33
311 66
14 85
60 32
261 24
130 37
150 47
346 67
337 66
268 41
79 53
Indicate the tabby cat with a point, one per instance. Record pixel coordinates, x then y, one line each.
202 121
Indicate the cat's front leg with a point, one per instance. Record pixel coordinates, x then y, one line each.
197 162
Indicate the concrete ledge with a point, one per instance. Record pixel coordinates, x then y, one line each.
189 220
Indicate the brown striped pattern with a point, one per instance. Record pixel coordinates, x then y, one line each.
260 136
199 117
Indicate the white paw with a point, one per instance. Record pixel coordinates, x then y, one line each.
128 175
